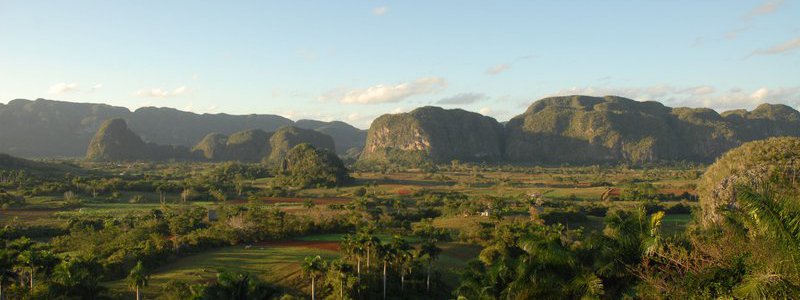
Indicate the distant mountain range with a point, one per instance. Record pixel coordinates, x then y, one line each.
47 128
556 130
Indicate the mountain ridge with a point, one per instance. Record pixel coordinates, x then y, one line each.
64 129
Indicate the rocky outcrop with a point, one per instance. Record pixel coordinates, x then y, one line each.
288 137
434 134
582 129
249 146
257 145
754 165
212 147
114 141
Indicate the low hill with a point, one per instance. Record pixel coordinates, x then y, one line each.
435 134
288 137
306 166
257 145
11 163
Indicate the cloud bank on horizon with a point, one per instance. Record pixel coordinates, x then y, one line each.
355 61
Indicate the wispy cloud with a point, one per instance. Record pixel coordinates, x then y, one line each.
733 34
494 70
765 8
785 47
62 88
463 98
161 93
380 10
500 68
383 93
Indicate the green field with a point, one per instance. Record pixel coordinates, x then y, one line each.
276 264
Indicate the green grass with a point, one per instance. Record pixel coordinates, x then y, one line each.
454 259
276 264
674 224
279 264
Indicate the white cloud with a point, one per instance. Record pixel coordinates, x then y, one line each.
380 10
463 98
498 69
383 93
778 49
161 93
494 113
400 110
700 90
765 8
361 120
95 87
62 88
699 96
201 110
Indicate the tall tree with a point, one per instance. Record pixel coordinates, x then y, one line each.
403 258
313 267
431 253
138 278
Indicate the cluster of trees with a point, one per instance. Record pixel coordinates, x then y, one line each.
105 248
31 270
374 269
648 192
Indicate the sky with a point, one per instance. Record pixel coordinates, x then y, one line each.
355 60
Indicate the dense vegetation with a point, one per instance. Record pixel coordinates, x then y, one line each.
306 166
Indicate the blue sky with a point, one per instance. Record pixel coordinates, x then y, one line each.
355 60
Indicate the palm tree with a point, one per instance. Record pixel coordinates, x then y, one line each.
313 267
770 218
778 219
370 243
352 247
386 253
138 278
35 260
432 252
403 258
342 270
359 249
